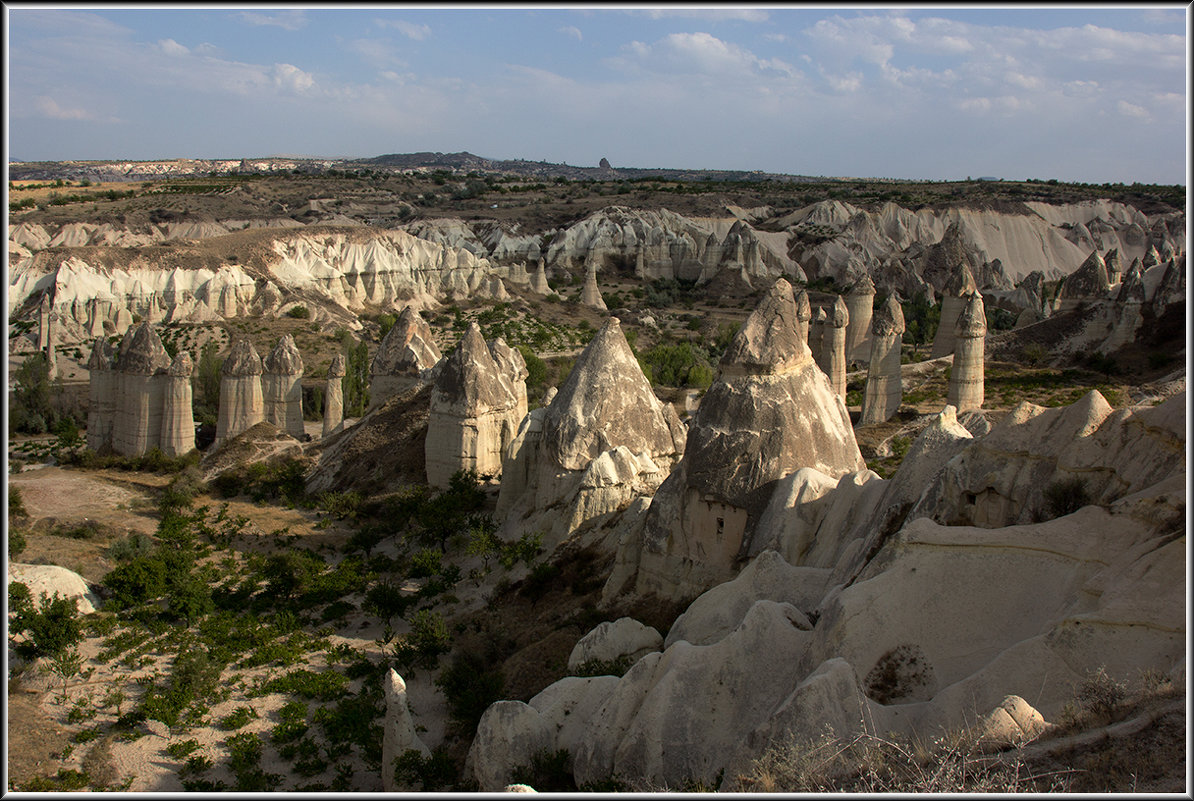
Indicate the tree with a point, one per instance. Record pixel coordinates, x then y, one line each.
31 412
207 385
356 379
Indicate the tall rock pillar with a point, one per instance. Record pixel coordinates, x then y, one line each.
970 339
242 403
101 396
884 389
282 388
333 396
953 300
860 302
804 314
43 323
590 295
833 347
141 368
178 418
816 336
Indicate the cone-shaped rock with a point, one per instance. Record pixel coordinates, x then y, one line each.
770 412
1088 283
140 366
590 295
966 376
1114 266
178 419
513 367
333 395
859 303
102 389
539 283
604 439
242 403
406 355
884 389
281 387
472 415
953 300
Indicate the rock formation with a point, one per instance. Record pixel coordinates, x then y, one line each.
404 359
102 396
1089 283
884 389
624 638
833 347
804 315
140 372
1129 306
474 412
859 306
771 411
816 335
1114 266
242 404
590 295
970 339
178 419
954 298
398 733
333 396
43 323
282 388
539 283
604 439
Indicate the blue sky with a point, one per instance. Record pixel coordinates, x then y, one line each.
1085 94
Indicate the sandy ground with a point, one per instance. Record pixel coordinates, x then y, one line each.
39 732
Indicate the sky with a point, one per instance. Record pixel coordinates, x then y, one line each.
1094 94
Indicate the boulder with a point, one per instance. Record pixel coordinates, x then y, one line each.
611 640
52 580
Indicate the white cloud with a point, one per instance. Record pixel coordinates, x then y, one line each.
1132 110
709 14
704 54
286 20
410 30
291 78
48 107
573 31
845 83
376 52
173 48
775 37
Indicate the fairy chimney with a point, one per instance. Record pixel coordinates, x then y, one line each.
953 300
884 389
101 394
282 388
242 403
178 419
405 358
140 367
966 375
859 305
833 346
333 396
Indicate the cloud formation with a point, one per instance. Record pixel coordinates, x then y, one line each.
286 20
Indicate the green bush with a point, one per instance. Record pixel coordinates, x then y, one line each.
470 684
1065 496
299 312
49 630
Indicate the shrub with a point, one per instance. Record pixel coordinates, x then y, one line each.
427 639
238 718
299 312
1099 694
429 774
470 684
49 630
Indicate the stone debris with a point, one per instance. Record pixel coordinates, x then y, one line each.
884 388
970 337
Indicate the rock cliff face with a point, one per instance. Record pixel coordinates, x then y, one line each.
404 359
604 440
906 606
475 411
770 412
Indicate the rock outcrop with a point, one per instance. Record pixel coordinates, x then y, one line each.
539 283
54 581
140 374
884 387
405 358
859 307
242 403
590 294
1088 284
333 396
398 734
475 412
954 297
102 396
282 389
178 418
770 412
804 314
970 338
833 346
603 440
624 638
